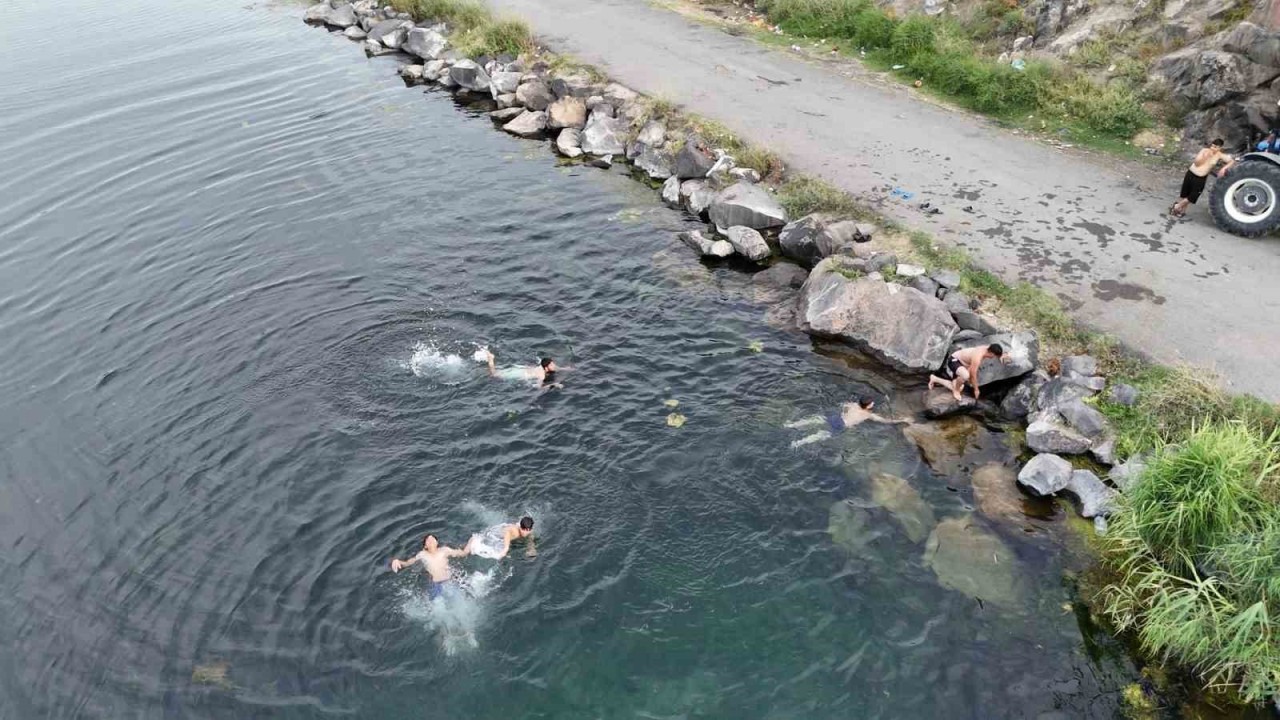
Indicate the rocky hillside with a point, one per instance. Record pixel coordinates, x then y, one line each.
1207 68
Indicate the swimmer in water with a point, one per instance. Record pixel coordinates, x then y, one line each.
544 372
518 531
851 414
435 558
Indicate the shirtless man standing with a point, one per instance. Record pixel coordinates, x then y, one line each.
435 557
1198 174
962 367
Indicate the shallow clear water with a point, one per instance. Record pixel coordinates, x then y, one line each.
243 271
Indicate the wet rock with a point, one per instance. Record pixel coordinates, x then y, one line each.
343 16
426 44
504 83
1018 402
467 74
534 95
700 243
1045 475
746 205
355 33
948 279
996 493
945 444
694 160
411 74
851 527
1122 394
506 115
940 403
1085 419
603 135
567 112
671 192
1048 434
898 325
654 163
390 33
527 124
697 196
924 284
1057 392
579 86
972 561
904 503
781 275
1094 495
568 143
1083 365
748 243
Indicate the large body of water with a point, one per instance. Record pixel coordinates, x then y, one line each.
236 258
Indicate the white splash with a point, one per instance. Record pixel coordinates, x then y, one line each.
456 616
1016 350
430 362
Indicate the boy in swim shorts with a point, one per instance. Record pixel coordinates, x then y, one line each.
435 557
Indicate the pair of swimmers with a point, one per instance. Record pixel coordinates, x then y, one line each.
435 557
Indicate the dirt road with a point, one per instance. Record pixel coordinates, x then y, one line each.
1093 232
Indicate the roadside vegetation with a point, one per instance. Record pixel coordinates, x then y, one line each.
951 57
473 29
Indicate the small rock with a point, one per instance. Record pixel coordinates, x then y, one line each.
579 86
880 262
504 83
721 249
940 403
527 124
864 232
694 160
568 142
534 95
910 271
745 174
654 163
411 74
1104 451
1093 384
507 101
970 320
355 33
1057 392
925 285
1091 423
467 74
433 70
748 243
1019 401
967 337
948 279
1083 365
700 243
1122 394
390 33
696 195
671 191
1094 496
905 504
1100 525
506 115
1126 474
957 301
652 135
1046 434
747 205
1045 475
567 112
373 48
619 95
781 275
604 162
603 135
342 16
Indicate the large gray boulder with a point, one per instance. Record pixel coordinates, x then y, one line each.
504 83
748 243
343 16
567 112
391 33
1018 402
425 43
1256 43
527 124
1058 392
697 195
604 135
905 504
671 192
973 561
941 403
576 85
654 163
746 205
1095 497
534 95
652 135
900 326
1045 475
467 74
1021 355
694 160
816 236
1047 433
1085 419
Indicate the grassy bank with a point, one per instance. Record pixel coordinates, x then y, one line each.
950 58
473 29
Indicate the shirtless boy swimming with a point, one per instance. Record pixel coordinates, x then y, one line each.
435 558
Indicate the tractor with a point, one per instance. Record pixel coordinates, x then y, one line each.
1246 201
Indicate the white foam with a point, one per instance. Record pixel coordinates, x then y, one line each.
457 615
488 543
429 361
1017 349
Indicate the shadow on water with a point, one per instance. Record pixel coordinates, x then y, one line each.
244 278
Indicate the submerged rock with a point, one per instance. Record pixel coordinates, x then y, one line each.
905 505
940 403
970 560
996 493
899 326
945 444
748 243
850 527
1045 475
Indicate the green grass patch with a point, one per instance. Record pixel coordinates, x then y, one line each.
473 30
1195 550
801 196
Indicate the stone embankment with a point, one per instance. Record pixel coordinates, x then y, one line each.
827 274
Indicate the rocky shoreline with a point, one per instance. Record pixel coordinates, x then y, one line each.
826 274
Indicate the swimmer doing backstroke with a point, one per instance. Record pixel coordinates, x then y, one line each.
435 558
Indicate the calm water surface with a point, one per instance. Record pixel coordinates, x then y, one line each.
242 273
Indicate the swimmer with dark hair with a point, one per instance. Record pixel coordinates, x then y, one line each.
435 558
544 372
851 414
